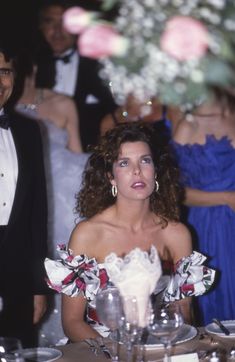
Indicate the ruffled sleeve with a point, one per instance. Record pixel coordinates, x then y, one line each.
190 278
73 275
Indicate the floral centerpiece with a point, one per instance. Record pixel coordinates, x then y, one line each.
177 50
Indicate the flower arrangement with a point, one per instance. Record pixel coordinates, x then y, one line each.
176 50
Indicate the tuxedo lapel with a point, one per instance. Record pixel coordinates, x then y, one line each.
86 80
78 88
22 183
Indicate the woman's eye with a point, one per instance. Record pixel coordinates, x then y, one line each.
147 160
123 163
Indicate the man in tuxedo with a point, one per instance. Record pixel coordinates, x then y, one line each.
61 67
23 217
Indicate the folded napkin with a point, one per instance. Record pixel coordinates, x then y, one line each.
135 275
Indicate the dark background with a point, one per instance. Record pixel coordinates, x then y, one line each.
18 22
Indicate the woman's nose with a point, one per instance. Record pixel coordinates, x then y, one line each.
137 170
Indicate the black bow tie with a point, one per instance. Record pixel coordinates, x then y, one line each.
65 58
4 121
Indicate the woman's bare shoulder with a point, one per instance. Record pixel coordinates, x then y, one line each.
184 130
63 100
177 231
58 98
86 236
178 240
177 228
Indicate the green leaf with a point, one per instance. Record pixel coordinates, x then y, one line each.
219 73
169 93
108 4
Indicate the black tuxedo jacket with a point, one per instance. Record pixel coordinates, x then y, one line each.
90 114
24 247
88 83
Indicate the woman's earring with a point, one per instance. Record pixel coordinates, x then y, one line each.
114 190
157 185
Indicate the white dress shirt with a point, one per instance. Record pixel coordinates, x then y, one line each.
8 173
66 74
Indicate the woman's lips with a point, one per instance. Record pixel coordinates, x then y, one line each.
138 185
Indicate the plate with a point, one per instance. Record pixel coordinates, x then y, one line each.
214 329
41 354
186 333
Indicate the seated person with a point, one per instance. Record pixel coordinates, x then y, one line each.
130 199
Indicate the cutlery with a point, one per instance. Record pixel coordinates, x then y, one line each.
97 346
232 352
221 326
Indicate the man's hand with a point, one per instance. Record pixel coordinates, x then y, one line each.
40 306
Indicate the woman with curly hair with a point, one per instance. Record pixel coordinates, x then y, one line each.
129 199
95 195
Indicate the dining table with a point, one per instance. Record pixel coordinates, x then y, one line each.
201 346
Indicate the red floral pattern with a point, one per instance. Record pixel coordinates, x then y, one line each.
75 274
189 278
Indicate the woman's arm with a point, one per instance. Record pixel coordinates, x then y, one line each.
72 127
178 241
74 308
73 313
195 197
179 244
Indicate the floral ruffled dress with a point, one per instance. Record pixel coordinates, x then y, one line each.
75 275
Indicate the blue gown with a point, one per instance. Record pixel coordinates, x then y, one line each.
211 167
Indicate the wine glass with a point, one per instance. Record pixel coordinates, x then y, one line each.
165 323
10 350
109 309
131 326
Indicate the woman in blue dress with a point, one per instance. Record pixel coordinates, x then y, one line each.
204 142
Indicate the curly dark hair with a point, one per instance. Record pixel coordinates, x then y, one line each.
95 194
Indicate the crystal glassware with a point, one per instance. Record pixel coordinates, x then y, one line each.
132 330
11 350
165 323
109 309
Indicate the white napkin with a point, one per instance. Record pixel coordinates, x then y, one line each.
189 357
135 275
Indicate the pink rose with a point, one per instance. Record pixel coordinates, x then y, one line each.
101 40
184 38
76 19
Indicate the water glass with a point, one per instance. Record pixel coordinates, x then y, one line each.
131 328
165 323
10 350
109 309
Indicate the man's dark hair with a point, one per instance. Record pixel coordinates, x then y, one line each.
8 51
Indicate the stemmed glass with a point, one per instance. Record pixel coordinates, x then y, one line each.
165 323
131 326
109 309
10 350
